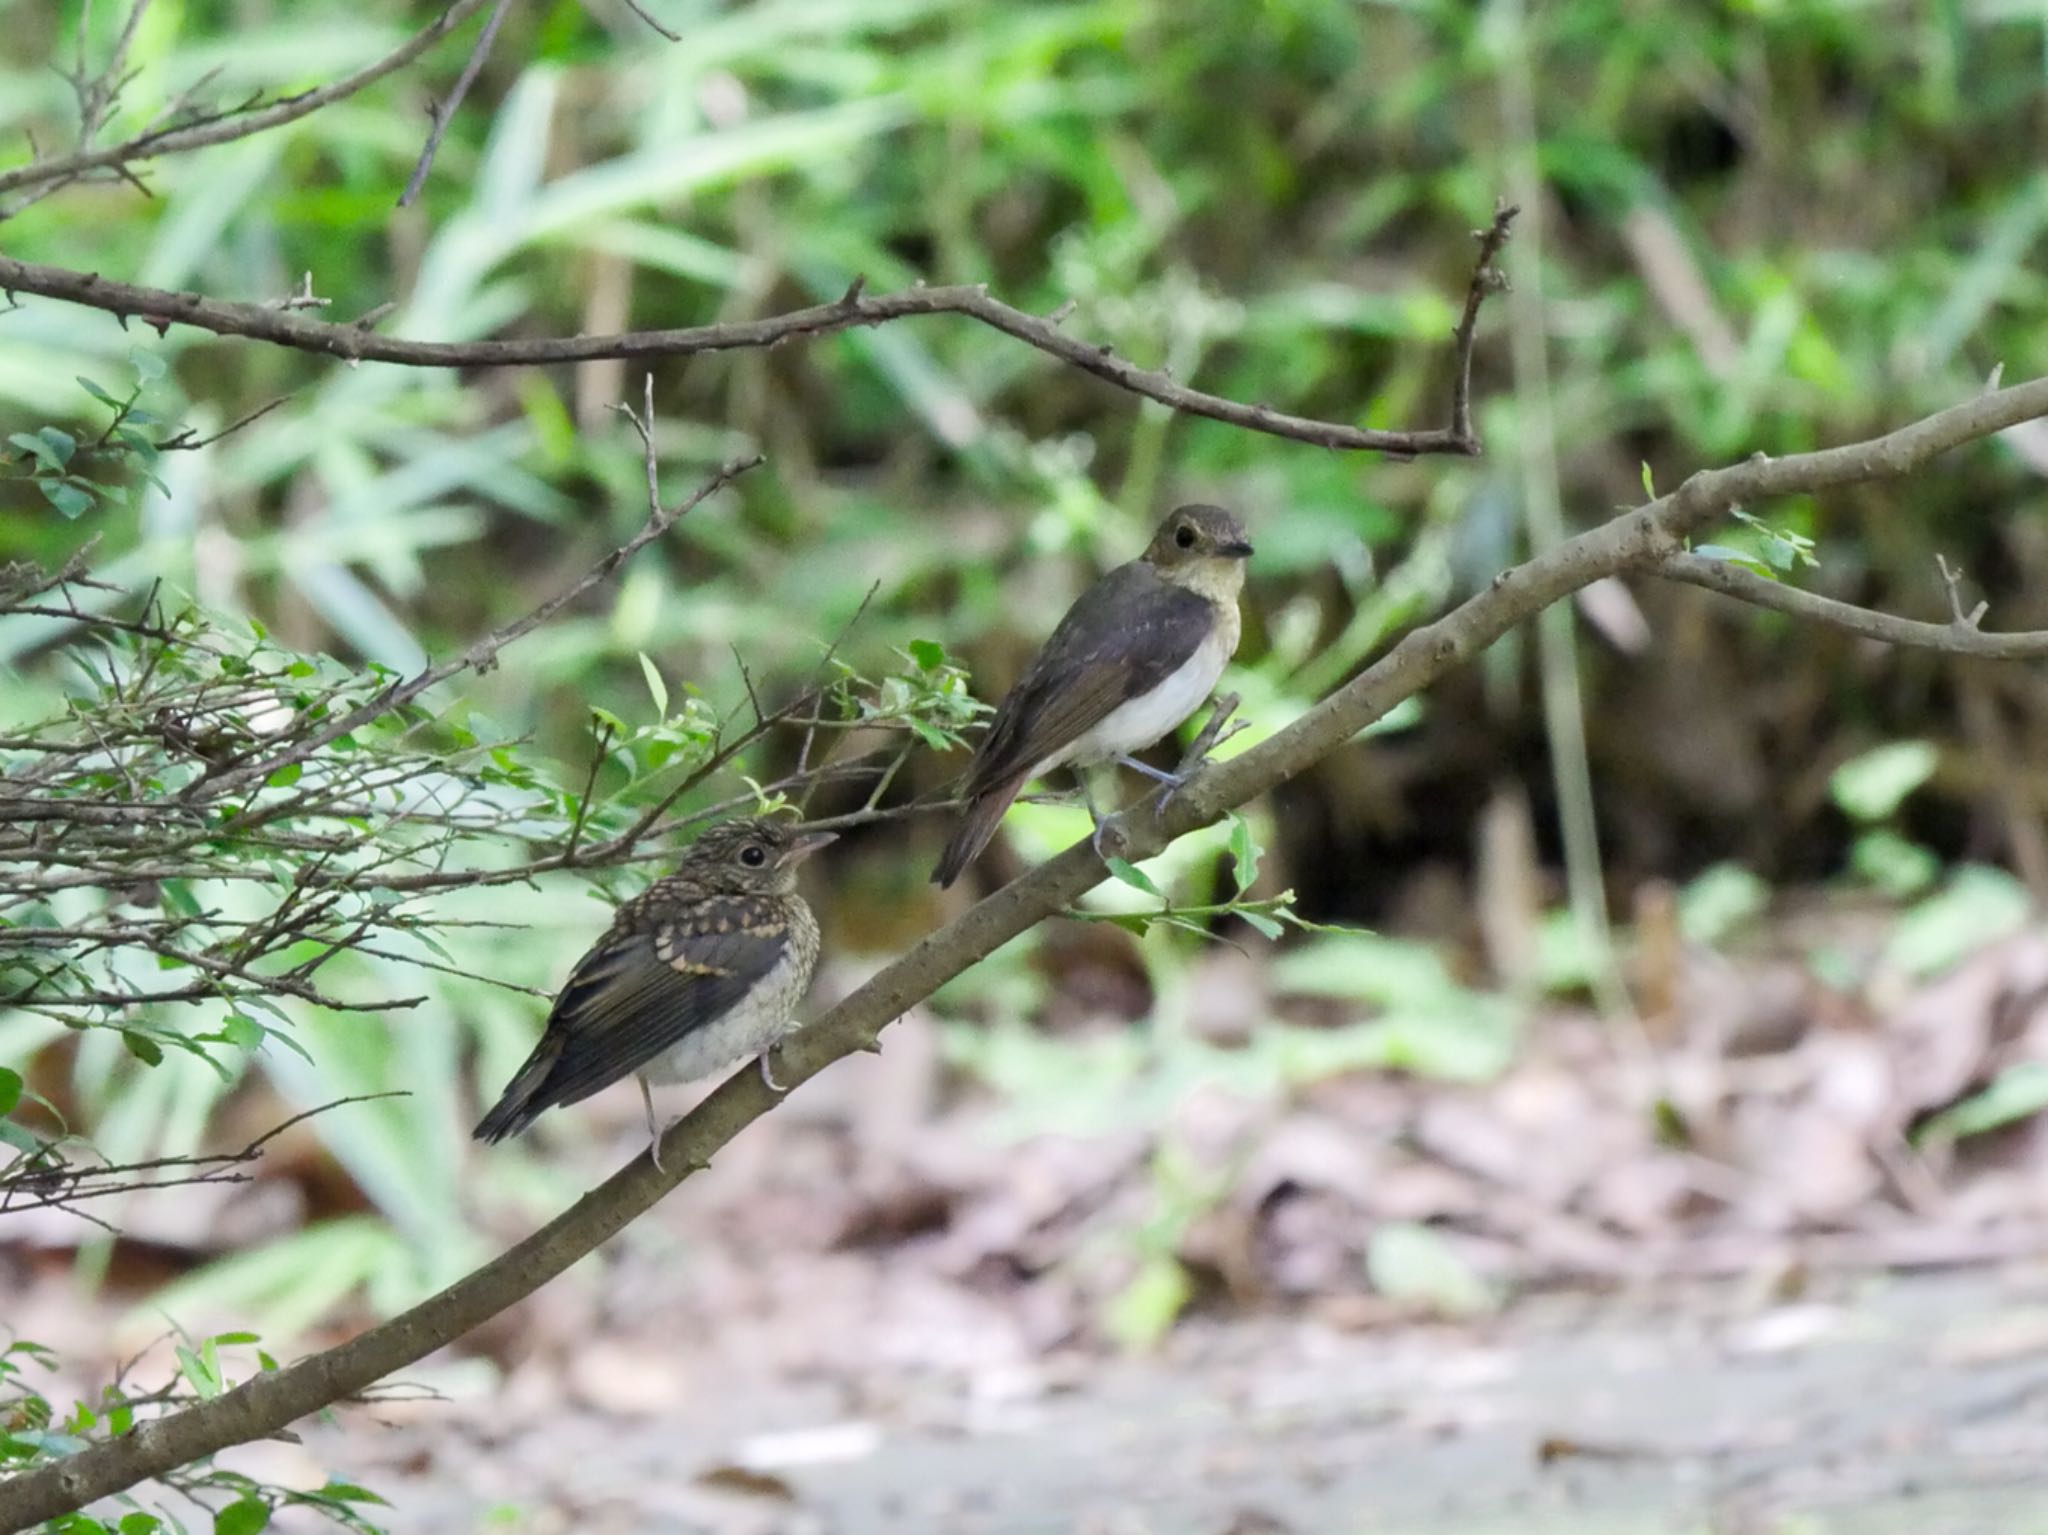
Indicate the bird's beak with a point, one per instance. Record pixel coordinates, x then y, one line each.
806 845
1240 550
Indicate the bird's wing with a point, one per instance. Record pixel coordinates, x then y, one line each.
650 982
1125 635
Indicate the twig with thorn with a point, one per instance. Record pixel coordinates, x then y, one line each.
444 111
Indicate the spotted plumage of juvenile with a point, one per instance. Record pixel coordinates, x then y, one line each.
701 970
1135 655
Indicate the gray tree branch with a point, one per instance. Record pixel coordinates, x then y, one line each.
1638 541
353 343
223 128
1957 637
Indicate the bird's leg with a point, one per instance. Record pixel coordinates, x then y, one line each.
1172 781
653 1126
1211 735
768 1072
1101 822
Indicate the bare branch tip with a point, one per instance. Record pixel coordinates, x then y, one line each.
641 11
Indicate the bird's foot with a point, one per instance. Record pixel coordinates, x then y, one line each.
1217 729
768 1072
1157 775
1171 783
1109 838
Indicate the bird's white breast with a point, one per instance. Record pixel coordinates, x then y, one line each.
1135 725
761 1019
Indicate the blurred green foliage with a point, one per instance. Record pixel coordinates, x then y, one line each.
1768 227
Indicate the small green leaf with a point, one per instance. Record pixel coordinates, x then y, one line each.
929 655
1978 906
1719 901
60 443
143 1048
286 776
1244 852
1148 1306
244 1516
147 365
1667 1123
1872 786
655 686
1729 555
10 1089
1900 868
22 1140
72 501
204 1380
349 1492
1408 1262
139 1524
1133 876
2015 1094
1649 484
1259 922
96 392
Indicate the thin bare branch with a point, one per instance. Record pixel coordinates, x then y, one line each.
442 113
1960 637
1952 585
164 308
34 1182
481 656
641 11
1487 279
187 442
237 123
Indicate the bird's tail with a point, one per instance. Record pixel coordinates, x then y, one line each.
977 825
521 1103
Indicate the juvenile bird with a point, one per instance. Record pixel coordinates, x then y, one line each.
1135 655
699 971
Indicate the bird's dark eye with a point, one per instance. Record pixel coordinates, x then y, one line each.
1184 536
753 855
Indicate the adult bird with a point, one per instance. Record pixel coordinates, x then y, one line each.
1135 655
699 971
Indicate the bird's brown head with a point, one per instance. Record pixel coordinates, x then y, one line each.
755 856
1201 546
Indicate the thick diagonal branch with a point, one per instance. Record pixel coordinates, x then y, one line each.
1638 540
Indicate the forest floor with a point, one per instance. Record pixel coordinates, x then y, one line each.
1919 1406
1713 1276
